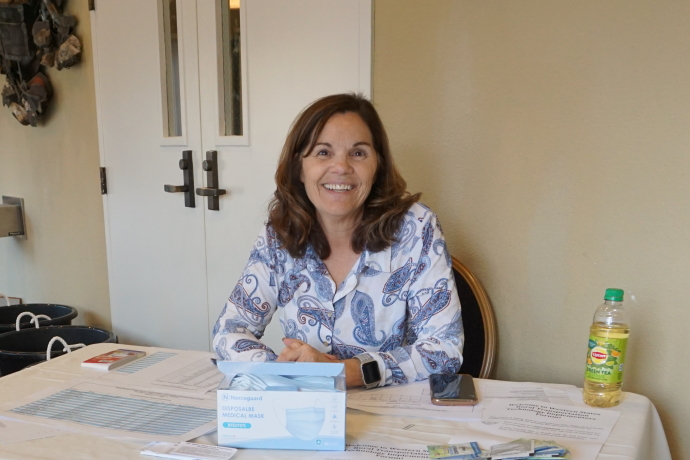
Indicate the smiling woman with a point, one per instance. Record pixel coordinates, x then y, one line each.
355 268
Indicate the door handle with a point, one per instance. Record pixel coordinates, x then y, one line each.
175 188
212 192
187 167
207 191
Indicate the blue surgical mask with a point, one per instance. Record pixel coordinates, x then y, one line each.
305 423
252 382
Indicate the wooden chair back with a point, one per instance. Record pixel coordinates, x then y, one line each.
479 323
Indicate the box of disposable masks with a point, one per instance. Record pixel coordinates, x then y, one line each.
282 405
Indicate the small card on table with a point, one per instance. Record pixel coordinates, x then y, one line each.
113 359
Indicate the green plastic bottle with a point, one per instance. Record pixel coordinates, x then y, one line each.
608 340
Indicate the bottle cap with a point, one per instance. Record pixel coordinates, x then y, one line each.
614 294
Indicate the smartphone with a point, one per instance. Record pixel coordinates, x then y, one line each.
452 390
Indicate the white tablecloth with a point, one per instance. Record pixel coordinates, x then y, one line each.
637 435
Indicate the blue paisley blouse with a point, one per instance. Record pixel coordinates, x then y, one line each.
399 305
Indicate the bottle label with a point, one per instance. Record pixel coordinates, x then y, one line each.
605 359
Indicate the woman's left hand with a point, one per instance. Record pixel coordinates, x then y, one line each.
296 350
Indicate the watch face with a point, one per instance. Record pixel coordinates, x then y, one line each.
370 372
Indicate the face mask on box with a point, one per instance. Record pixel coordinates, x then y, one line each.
305 423
254 382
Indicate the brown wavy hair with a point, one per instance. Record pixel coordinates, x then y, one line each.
293 216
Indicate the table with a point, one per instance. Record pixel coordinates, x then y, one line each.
637 435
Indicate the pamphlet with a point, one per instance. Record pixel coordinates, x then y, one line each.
113 359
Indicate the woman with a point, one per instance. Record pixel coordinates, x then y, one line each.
355 268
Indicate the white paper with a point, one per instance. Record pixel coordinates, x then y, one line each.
489 390
101 408
332 455
188 451
582 430
390 451
12 431
411 400
414 399
551 420
190 371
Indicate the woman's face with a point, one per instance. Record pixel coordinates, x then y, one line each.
339 170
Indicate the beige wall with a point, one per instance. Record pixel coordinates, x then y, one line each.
552 139
54 167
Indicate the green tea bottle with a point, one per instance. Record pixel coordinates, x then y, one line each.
608 339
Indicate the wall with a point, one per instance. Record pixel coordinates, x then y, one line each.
54 167
551 138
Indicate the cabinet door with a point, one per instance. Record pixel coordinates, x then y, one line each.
296 52
156 247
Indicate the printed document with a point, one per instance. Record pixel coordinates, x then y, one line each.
414 399
188 451
389 451
12 431
489 390
189 371
335 455
582 430
108 409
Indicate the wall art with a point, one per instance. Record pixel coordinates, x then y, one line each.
34 34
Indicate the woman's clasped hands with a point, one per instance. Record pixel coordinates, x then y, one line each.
296 350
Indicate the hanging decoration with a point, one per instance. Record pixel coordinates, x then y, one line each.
34 34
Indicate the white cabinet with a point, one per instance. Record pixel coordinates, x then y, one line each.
172 267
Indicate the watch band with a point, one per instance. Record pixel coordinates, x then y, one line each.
371 376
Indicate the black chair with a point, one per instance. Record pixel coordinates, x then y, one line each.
479 322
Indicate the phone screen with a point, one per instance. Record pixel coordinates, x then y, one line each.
452 387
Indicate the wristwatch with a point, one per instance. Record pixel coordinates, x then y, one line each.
370 370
